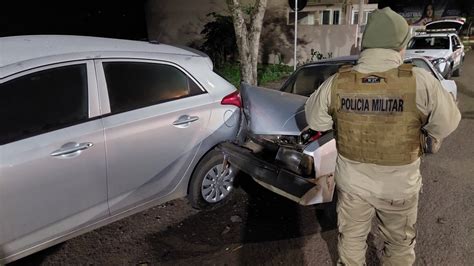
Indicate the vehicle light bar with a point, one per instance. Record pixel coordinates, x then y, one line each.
437 30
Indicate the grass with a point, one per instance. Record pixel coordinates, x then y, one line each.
273 72
266 73
231 72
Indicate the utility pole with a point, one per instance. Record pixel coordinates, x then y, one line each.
296 32
359 22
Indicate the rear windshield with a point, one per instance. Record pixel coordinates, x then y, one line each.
429 43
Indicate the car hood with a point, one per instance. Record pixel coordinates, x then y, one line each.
430 54
272 112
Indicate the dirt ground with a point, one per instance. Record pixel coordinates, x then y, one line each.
258 227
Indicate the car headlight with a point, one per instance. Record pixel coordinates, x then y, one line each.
440 64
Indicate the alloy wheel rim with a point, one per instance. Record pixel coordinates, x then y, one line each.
217 183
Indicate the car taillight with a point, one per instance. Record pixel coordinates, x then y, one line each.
316 136
232 99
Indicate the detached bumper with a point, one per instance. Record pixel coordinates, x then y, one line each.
305 191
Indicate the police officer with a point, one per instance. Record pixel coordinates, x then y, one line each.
379 110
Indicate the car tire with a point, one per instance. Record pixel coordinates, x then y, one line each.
457 72
449 74
208 188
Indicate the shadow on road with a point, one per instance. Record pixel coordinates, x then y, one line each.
468 115
256 227
270 219
37 258
463 89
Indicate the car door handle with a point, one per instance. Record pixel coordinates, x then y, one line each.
71 147
185 119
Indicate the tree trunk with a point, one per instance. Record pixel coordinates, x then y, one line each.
248 34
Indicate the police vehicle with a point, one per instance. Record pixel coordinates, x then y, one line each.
440 45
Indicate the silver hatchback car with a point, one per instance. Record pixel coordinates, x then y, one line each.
97 129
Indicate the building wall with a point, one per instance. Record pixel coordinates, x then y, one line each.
181 22
313 41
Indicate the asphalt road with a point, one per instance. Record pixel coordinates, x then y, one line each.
258 227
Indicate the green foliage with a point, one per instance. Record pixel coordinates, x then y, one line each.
266 73
231 72
219 39
273 72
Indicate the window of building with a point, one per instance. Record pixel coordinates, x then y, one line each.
325 17
304 18
330 17
335 17
355 17
316 17
43 101
133 85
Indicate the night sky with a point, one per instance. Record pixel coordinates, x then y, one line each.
117 19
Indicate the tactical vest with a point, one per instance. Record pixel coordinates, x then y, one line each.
376 117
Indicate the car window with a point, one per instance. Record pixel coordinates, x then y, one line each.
43 101
458 41
429 43
310 78
453 42
133 85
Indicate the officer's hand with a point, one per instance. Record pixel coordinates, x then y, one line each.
429 143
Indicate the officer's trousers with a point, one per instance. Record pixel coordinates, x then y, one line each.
396 226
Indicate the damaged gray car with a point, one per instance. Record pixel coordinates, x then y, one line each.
279 151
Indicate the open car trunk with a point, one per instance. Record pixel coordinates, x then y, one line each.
279 151
445 24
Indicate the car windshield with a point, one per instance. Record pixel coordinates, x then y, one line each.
429 43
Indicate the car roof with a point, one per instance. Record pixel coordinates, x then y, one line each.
335 60
352 58
345 59
17 49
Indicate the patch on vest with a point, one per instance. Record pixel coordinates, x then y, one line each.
371 105
371 79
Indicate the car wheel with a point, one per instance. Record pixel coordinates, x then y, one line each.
212 182
449 74
457 72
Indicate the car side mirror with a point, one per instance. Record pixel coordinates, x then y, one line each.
457 47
